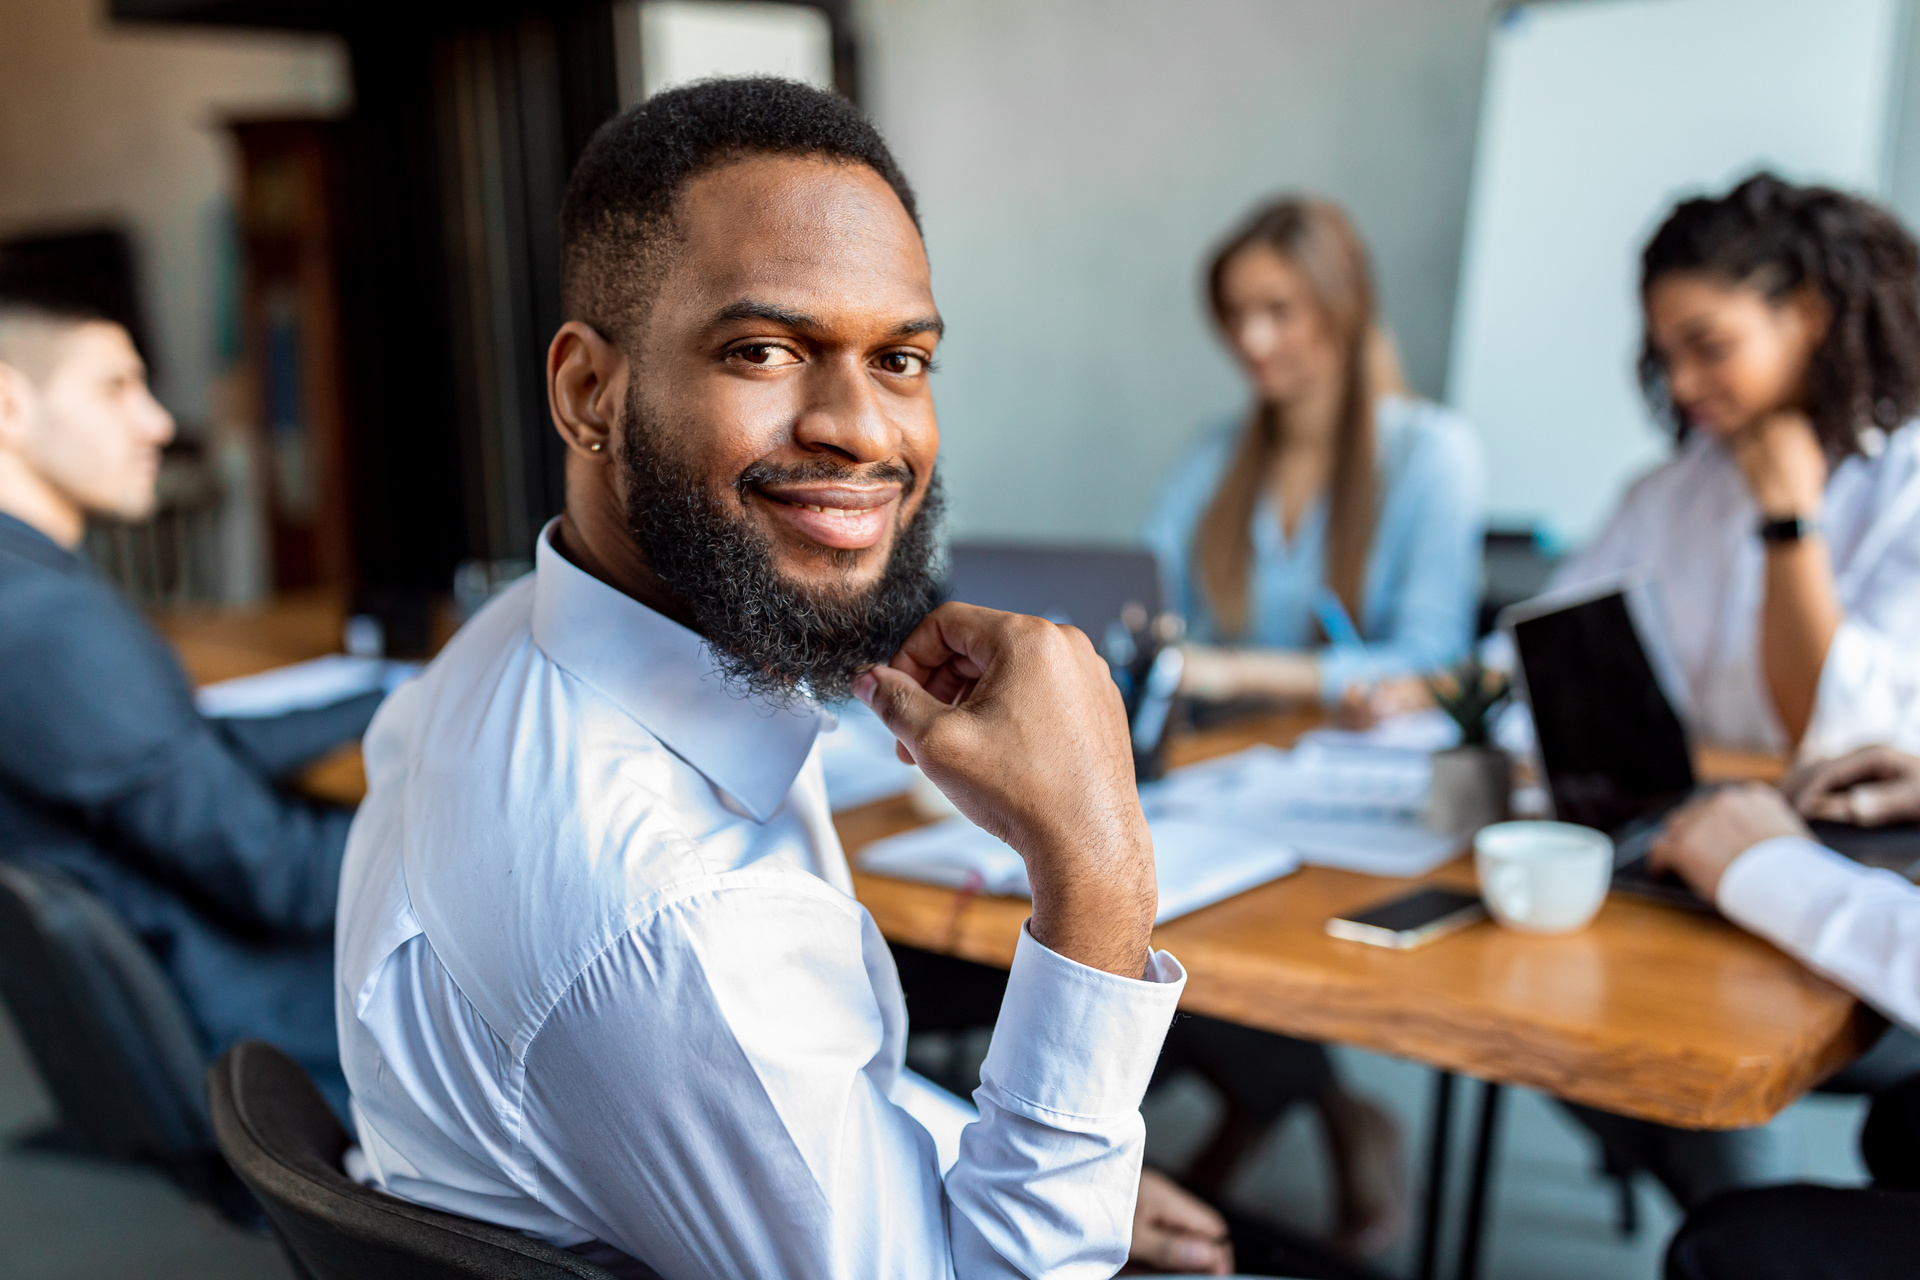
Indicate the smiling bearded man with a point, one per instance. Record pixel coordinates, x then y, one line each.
602 976
769 636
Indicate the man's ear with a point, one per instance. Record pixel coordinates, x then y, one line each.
586 375
16 407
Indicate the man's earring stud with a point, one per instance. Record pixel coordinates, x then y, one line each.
595 447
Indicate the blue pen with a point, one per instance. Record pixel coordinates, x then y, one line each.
1338 624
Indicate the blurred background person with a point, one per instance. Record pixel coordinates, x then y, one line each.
106 769
1783 345
1327 542
1783 340
1331 539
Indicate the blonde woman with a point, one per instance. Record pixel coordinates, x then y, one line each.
1330 539
1326 542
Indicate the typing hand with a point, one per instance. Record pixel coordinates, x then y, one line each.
1174 1231
1701 841
1869 787
1019 723
1364 706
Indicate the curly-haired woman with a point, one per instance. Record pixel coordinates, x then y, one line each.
1783 537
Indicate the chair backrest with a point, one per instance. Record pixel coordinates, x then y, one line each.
104 1026
1089 587
284 1142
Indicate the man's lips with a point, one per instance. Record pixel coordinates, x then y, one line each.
844 517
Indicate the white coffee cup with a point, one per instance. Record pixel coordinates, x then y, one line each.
1543 877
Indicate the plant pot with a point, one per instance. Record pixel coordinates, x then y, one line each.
1472 788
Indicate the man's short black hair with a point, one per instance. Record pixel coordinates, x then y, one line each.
617 227
71 278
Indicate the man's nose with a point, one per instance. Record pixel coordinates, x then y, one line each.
845 414
155 418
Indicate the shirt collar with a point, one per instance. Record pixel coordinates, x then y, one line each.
665 677
23 539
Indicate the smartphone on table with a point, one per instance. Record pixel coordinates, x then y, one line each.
1410 920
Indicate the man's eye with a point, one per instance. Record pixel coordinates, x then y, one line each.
904 363
766 355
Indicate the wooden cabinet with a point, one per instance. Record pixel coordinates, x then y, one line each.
292 343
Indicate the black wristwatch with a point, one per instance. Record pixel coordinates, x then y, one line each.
1787 528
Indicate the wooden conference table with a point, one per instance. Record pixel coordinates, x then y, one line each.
1650 1012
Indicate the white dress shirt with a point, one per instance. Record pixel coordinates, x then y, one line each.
602 979
1690 525
1858 926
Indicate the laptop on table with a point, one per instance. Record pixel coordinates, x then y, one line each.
1613 749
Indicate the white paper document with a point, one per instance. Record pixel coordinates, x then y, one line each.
1355 808
858 758
1223 827
301 686
1196 862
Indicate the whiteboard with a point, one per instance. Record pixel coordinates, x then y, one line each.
686 40
1597 116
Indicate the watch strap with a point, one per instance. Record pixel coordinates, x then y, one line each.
1787 528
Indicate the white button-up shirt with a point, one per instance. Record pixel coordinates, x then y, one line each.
1858 926
602 979
1690 526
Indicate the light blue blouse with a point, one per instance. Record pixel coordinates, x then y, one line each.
1423 570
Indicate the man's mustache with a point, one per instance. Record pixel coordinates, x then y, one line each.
828 469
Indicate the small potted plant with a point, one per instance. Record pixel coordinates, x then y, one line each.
1473 782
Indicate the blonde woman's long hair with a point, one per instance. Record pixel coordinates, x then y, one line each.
1316 237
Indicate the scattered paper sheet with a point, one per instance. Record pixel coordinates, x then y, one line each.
301 686
858 759
1426 731
1197 862
1222 827
1350 807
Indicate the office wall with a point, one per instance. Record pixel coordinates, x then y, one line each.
1076 159
125 122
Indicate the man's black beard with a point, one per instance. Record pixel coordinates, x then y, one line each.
769 637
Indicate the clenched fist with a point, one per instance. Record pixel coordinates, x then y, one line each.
1019 723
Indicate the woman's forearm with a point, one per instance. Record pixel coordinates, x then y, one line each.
1797 625
1786 472
1217 675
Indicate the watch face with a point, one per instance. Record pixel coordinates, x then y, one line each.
1786 529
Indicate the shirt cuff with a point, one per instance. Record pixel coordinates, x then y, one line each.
1079 1041
1782 889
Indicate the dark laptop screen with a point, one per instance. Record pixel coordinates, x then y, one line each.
1611 744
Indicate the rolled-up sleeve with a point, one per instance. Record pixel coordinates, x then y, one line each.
1856 925
713 1095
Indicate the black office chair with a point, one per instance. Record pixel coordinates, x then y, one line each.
284 1142
109 1036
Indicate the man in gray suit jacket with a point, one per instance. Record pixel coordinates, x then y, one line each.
106 769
